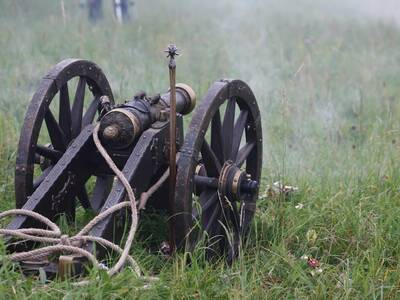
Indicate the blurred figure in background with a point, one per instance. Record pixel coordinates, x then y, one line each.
95 10
121 10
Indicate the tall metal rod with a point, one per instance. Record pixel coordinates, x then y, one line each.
172 52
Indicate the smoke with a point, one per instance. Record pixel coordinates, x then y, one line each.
307 61
384 10
322 70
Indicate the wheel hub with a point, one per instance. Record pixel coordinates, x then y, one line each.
230 181
231 184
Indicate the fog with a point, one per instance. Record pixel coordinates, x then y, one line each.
386 10
317 68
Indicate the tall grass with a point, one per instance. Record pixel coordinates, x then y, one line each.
327 83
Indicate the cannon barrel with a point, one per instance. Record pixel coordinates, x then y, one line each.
123 124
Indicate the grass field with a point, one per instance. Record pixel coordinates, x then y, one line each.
327 81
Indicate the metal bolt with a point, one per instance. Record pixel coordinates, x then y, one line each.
165 248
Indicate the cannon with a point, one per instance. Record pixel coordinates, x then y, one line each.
59 169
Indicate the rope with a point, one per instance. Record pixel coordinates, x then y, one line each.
61 243
144 197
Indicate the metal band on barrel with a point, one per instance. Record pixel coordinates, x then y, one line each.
192 97
132 117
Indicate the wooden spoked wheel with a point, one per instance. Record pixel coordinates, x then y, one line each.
56 115
220 161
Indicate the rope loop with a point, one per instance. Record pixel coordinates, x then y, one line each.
64 240
62 243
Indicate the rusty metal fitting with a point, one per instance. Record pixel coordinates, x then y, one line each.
105 100
236 182
105 105
225 180
165 248
233 182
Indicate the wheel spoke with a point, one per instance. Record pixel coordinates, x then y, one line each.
207 199
211 163
64 116
47 152
83 197
38 180
210 202
238 132
216 136
227 127
56 134
77 107
244 153
212 221
91 112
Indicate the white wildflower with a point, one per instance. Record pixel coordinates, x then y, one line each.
299 206
285 188
316 272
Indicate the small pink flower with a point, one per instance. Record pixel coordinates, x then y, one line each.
313 262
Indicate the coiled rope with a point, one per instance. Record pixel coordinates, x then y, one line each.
61 243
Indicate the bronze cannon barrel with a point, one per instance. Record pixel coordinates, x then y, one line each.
123 124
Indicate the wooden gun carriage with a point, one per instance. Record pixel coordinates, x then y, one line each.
218 165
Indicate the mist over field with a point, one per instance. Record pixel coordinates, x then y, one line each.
326 75
386 10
